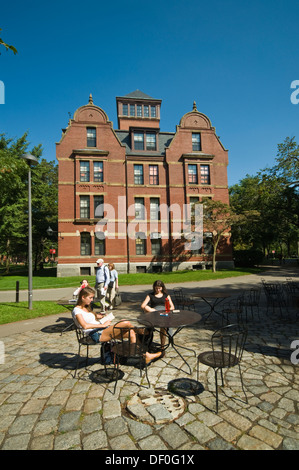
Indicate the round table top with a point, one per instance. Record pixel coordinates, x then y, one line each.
174 319
212 294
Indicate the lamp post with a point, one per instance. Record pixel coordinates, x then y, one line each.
31 161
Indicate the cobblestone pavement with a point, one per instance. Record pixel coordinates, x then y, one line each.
43 407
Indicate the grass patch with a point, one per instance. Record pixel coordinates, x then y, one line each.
11 312
44 281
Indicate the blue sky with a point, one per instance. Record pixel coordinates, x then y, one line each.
236 59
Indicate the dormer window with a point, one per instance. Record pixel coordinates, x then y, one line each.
91 137
196 144
143 140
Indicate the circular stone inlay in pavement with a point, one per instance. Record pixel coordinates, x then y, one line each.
155 406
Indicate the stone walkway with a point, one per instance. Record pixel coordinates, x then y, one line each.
43 407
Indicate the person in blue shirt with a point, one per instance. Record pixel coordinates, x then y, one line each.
102 281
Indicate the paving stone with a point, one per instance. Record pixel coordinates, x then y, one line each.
111 409
68 441
267 436
152 443
69 421
91 423
95 440
173 435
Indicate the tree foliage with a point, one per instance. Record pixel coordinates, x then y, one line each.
14 199
7 46
273 194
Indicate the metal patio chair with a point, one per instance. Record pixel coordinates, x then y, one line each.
124 348
227 351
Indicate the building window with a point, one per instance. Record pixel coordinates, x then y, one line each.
154 208
193 200
84 207
125 110
139 110
98 202
146 110
150 141
138 174
207 247
132 109
99 246
98 172
139 208
91 137
84 171
153 111
138 141
205 174
156 245
140 243
192 174
85 244
153 174
196 144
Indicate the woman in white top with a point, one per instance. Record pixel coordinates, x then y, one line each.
100 332
112 286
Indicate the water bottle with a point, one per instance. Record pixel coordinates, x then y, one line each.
167 305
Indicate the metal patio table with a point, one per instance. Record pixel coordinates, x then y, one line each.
177 319
212 299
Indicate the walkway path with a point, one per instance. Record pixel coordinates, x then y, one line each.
42 406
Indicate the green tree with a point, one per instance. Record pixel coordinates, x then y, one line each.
7 46
218 219
14 199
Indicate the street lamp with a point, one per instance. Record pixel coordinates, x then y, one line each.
50 232
31 161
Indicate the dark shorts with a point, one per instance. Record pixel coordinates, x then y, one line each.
96 334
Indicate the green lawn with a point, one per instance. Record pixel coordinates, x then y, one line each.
11 312
44 281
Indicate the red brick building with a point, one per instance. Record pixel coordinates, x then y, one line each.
123 192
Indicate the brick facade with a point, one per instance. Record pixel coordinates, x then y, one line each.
134 171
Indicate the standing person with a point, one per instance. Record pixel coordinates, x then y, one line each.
102 281
112 286
155 300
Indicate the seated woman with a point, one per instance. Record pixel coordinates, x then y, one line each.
83 283
86 319
156 301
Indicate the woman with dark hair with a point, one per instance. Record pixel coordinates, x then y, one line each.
86 319
156 301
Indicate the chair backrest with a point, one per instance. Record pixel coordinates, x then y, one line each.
124 344
178 293
82 338
228 345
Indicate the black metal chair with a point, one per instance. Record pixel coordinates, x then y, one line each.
124 348
275 297
227 351
232 308
250 301
181 301
85 340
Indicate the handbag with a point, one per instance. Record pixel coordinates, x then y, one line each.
117 299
